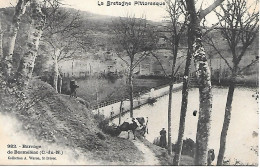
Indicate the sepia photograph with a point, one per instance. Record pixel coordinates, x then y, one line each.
129 83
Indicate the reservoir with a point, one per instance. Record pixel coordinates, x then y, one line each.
242 135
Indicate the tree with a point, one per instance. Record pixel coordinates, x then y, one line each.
239 24
36 19
66 37
135 38
196 48
176 30
1 63
8 57
9 85
1 42
177 156
25 69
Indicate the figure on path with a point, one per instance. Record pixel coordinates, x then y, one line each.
211 156
112 113
163 142
73 88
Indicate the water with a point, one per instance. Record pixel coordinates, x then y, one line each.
244 121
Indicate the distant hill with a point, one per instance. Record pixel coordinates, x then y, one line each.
100 28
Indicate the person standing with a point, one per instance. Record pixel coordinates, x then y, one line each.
163 142
73 88
211 157
112 113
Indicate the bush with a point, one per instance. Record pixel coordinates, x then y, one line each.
99 118
103 124
187 147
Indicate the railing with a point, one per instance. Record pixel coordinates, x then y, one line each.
142 92
109 102
136 95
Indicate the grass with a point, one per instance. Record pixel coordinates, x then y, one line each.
59 119
163 156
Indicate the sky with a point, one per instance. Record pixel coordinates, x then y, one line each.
151 12
154 13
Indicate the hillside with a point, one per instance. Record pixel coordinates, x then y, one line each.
58 122
67 129
100 29
58 119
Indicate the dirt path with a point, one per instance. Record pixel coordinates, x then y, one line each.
149 157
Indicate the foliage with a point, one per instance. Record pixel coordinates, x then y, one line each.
112 130
188 147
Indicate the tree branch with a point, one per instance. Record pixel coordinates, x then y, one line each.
211 43
206 11
138 61
119 56
248 66
159 63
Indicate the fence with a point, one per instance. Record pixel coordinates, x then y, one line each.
193 83
111 109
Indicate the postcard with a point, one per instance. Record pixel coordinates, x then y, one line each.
129 82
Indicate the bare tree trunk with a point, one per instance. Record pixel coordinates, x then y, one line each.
55 73
25 69
131 90
226 122
247 25
184 103
1 44
59 83
175 53
8 58
2 80
120 112
97 101
204 81
204 125
170 119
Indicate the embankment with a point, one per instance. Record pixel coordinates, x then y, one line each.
62 123
113 110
